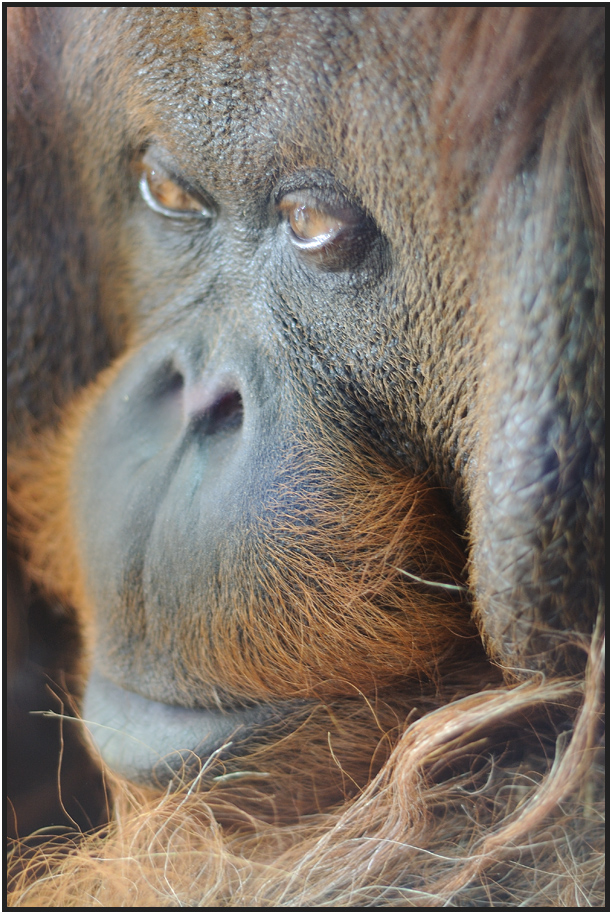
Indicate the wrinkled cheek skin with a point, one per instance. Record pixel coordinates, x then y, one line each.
226 611
177 552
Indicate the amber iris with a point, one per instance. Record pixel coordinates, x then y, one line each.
164 195
309 222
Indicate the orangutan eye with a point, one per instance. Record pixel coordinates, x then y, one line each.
312 225
165 196
331 236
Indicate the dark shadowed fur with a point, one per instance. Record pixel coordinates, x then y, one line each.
347 497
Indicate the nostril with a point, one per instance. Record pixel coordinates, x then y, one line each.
224 414
163 384
174 384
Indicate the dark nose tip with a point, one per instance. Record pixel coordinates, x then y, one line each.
213 406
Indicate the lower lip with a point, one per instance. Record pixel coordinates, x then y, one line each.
151 743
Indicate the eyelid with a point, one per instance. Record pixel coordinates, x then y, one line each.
315 244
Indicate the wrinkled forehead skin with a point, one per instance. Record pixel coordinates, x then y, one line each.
237 94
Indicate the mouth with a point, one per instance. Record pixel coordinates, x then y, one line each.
152 743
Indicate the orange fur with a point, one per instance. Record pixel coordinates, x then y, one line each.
405 839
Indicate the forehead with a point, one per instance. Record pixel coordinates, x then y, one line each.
212 71
239 96
248 48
